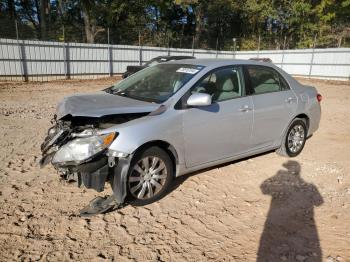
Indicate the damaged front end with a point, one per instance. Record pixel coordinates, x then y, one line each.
79 151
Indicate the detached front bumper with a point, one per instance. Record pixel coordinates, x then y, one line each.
95 173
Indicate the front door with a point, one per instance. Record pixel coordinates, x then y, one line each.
222 129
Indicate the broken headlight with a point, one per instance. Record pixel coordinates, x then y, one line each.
81 149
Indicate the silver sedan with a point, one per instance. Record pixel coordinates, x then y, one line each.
174 118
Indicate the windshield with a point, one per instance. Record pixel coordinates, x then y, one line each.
156 83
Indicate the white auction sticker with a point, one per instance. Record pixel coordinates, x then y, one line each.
185 70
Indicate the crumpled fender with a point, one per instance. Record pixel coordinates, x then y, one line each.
119 178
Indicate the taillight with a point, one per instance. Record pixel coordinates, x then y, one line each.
319 97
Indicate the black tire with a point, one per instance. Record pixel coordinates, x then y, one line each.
285 149
150 153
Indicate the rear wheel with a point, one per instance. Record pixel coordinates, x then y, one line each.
294 140
150 175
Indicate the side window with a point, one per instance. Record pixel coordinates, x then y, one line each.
265 80
222 84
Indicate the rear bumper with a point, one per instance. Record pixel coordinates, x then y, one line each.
315 118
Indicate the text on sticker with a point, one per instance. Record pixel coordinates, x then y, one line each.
185 70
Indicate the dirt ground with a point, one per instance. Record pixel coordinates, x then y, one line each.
248 210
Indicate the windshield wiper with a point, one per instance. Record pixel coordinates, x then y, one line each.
108 90
127 94
115 91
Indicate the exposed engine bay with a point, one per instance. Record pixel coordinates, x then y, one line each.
70 127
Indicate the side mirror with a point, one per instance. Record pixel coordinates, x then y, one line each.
199 99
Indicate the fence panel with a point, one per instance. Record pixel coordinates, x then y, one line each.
124 56
42 61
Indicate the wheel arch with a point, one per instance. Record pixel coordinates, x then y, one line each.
167 147
298 116
303 116
281 149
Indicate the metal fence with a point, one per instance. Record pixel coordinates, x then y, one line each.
42 61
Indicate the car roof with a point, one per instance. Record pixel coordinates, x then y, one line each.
220 62
173 57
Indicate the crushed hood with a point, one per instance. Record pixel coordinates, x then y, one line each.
101 104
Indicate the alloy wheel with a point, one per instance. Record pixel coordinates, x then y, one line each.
296 138
148 177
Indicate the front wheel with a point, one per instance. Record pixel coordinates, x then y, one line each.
150 175
294 140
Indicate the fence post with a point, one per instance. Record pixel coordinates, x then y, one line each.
140 55
284 47
66 60
65 56
22 53
168 45
312 55
140 50
193 46
110 56
258 46
234 47
23 61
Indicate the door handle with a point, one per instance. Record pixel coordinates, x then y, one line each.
290 99
245 108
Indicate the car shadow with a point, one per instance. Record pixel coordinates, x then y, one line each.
181 179
290 232
178 181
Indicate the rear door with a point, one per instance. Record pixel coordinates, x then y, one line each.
274 105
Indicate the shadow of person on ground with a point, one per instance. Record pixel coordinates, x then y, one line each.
290 232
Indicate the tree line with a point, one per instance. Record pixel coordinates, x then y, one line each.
214 24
